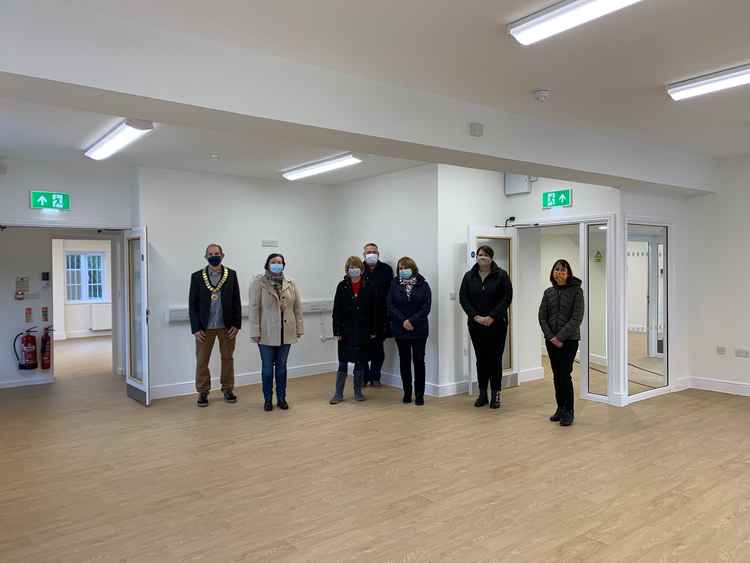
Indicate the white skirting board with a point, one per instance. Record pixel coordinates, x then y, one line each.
28 378
241 379
720 386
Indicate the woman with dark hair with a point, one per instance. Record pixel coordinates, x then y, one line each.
486 294
560 317
353 326
409 304
275 324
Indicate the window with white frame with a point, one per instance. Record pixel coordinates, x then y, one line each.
85 275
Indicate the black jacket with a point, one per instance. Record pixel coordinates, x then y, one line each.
354 319
491 297
561 311
416 309
380 279
199 302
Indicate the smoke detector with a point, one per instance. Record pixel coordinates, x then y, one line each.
541 94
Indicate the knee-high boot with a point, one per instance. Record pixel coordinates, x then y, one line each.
338 395
359 381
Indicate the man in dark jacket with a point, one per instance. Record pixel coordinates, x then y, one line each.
379 275
215 312
486 294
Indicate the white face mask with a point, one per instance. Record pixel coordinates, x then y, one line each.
484 260
354 273
371 259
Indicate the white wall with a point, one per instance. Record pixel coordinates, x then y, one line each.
398 211
185 211
102 194
716 273
74 320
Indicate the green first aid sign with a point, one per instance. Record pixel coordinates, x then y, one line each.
50 200
559 198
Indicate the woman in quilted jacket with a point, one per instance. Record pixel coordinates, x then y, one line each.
560 317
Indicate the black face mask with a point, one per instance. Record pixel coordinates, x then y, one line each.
214 260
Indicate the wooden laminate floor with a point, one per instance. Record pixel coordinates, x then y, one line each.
89 475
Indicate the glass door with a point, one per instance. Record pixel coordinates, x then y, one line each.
595 351
647 308
136 358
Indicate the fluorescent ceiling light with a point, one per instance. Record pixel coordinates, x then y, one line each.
118 138
561 17
723 80
320 167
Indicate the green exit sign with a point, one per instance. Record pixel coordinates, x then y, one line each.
559 198
50 200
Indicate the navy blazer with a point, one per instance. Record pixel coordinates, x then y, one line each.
416 309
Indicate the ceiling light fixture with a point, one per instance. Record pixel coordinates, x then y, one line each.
715 82
320 166
562 17
118 138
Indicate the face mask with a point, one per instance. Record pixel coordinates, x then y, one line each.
354 273
276 268
214 260
484 260
405 274
371 259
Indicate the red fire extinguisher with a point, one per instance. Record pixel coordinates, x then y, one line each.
46 348
28 357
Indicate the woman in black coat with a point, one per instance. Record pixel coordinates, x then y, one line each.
486 294
409 303
353 326
560 317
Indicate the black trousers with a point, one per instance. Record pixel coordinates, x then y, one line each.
376 357
489 346
562 368
412 351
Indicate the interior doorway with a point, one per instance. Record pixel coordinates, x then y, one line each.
82 307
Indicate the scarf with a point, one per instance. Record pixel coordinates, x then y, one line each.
409 285
275 280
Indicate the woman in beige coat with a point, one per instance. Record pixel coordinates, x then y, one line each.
275 324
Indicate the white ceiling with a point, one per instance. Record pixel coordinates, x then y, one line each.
607 76
40 132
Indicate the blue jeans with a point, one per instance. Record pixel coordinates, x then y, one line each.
273 360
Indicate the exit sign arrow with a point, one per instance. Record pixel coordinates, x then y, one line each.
50 200
558 198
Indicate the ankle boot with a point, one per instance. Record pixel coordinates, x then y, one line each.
338 395
482 399
359 380
496 401
555 417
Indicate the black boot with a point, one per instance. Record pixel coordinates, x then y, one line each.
566 418
496 401
202 400
268 406
555 417
482 399
338 395
230 397
358 380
